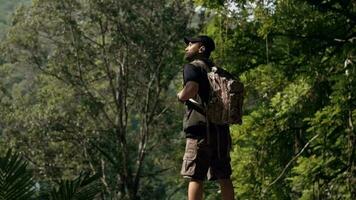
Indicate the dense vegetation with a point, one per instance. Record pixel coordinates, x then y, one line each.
6 9
89 86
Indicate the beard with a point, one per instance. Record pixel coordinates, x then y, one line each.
190 56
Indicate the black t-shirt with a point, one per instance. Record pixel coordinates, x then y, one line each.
199 75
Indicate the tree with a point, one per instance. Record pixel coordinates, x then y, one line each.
102 70
296 140
6 8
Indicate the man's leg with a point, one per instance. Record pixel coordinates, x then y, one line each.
195 190
227 189
195 166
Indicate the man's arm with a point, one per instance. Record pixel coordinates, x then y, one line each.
189 91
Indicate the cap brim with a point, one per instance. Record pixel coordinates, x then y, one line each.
189 39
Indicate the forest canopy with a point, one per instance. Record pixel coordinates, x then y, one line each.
89 87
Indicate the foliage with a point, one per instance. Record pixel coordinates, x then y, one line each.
90 85
6 9
84 187
92 76
296 59
16 181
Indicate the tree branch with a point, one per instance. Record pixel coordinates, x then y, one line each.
291 161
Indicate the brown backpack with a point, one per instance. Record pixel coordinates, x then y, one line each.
226 96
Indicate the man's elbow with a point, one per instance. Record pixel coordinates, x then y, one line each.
187 95
183 98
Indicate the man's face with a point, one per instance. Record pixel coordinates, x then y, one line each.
192 50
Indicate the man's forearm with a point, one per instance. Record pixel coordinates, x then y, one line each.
189 91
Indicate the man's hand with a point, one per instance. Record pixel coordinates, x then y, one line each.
189 91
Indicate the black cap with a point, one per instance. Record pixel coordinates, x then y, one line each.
205 40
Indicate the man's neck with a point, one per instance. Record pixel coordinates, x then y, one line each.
201 57
198 57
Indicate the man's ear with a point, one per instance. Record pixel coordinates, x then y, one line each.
202 49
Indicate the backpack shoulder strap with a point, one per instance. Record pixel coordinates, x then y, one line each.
201 64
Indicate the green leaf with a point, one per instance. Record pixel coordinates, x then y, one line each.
16 182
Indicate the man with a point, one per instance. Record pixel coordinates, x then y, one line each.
207 144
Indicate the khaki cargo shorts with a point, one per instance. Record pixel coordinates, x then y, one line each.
207 159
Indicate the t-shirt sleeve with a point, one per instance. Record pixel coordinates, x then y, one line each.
191 73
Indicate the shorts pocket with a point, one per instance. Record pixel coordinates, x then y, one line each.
188 168
189 158
191 149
